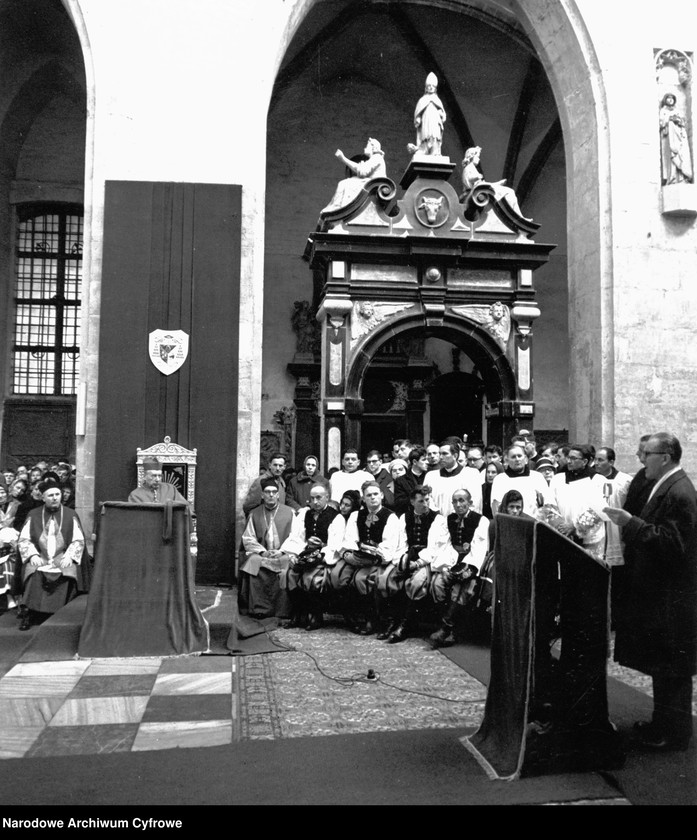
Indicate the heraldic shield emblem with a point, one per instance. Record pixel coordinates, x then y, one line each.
168 349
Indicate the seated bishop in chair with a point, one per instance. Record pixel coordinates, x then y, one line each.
51 546
264 572
154 490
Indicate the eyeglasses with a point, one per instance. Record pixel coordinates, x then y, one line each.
575 458
657 452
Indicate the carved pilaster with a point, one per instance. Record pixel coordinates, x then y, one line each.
333 317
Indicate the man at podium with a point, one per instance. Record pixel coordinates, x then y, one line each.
154 490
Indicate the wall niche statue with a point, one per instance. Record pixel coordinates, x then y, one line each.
674 80
676 158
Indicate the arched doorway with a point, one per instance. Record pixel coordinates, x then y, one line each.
478 401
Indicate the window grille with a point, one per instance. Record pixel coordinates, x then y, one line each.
47 300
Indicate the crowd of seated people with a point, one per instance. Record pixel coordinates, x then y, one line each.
415 527
22 490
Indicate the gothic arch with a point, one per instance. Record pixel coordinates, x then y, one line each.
555 33
496 369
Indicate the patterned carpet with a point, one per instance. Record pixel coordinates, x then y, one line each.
321 687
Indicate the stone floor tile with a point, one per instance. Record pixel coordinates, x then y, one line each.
84 740
15 741
115 685
88 711
196 683
128 665
164 736
196 707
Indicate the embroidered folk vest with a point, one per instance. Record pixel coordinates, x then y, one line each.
417 532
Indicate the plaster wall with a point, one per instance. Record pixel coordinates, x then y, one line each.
654 257
174 95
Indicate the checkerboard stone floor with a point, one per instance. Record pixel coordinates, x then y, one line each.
116 705
92 706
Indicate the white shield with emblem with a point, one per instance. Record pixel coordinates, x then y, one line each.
168 349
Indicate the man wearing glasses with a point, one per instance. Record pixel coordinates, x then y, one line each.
475 458
378 472
657 626
578 495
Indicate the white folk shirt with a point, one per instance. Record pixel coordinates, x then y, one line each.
438 540
297 539
443 484
479 548
389 546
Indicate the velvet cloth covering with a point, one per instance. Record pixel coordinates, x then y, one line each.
142 601
543 715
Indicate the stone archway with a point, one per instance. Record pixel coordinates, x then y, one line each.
497 390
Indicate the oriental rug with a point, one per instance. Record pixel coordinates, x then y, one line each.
322 686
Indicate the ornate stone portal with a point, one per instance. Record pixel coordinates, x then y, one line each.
427 264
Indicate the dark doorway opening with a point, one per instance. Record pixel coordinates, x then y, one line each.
456 406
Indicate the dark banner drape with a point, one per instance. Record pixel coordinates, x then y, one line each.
142 600
543 715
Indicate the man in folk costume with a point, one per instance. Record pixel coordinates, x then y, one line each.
423 537
371 543
51 547
455 570
315 539
263 575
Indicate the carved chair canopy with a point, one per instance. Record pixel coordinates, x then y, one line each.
178 466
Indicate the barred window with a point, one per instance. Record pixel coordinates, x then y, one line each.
47 300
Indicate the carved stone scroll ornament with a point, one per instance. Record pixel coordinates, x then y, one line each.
495 318
368 314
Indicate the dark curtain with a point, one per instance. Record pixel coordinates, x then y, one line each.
543 715
142 600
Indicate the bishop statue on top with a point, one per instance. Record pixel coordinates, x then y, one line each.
429 118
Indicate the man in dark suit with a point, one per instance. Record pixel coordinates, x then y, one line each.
657 626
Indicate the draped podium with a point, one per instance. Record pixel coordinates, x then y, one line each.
544 714
142 600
